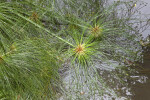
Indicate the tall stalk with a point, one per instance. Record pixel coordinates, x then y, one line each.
37 37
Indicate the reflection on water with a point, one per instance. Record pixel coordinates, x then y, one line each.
130 82
142 90
144 11
126 83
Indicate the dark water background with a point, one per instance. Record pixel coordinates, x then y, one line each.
142 90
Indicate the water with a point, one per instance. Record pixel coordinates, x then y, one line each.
136 80
146 10
142 90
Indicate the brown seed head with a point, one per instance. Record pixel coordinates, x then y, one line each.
96 31
1 59
34 16
80 49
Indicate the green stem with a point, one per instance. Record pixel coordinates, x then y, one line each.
43 29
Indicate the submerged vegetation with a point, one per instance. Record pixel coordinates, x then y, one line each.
40 38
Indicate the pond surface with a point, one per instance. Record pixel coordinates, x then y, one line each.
142 90
136 84
146 10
